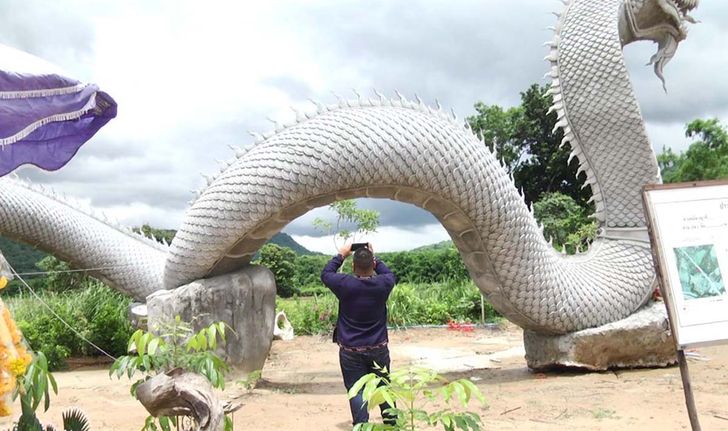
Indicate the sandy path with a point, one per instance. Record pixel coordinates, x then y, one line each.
302 388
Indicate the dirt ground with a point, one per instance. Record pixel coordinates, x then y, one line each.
302 388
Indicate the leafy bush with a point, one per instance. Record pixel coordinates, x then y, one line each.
307 274
565 221
97 312
309 316
409 304
436 304
281 262
436 265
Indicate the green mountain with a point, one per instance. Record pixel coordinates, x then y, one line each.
22 257
285 240
437 246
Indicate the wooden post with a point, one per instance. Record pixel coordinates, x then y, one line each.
660 272
688 389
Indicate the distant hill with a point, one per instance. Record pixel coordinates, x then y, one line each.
285 240
437 246
24 257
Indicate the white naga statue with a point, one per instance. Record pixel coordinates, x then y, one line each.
407 151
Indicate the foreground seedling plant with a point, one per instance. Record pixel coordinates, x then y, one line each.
412 390
180 369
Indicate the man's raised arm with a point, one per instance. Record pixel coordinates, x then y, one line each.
330 276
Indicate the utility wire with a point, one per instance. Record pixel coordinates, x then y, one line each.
74 270
57 316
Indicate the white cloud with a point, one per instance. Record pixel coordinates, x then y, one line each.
192 77
387 238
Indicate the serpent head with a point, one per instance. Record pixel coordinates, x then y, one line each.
661 21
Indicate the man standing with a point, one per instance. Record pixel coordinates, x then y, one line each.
361 329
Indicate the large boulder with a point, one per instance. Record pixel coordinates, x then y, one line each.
640 340
244 300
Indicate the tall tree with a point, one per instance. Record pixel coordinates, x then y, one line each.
348 217
282 263
525 139
705 159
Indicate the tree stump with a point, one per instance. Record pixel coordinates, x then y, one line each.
182 393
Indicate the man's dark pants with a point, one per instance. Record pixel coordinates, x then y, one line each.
355 365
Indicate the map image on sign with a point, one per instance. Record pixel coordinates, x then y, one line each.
699 272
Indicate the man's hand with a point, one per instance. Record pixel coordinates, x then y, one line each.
345 250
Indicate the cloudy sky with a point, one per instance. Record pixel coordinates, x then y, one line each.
192 78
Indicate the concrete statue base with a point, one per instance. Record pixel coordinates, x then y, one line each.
245 300
641 340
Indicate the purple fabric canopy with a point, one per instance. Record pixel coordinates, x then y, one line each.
44 116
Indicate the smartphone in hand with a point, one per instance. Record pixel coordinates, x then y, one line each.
357 245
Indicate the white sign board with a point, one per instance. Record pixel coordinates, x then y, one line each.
689 233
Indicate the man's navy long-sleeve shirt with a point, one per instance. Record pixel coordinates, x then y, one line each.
362 303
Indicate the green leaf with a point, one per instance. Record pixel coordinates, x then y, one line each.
133 340
460 392
54 385
387 395
221 330
153 344
473 390
146 361
359 384
460 422
164 423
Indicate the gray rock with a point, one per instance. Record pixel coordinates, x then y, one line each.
641 340
244 300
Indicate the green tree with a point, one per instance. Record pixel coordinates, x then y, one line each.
565 221
60 277
705 159
497 127
161 235
348 216
282 262
525 139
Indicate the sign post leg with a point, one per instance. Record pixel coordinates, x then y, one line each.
689 399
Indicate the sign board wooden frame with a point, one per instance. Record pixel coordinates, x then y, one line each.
688 227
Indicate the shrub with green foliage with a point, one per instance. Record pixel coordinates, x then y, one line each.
436 265
427 266
307 272
705 159
409 304
97 312
281 262
311 315
567 223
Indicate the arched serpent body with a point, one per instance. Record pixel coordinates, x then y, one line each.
405 151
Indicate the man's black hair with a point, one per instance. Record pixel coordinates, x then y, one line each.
363 259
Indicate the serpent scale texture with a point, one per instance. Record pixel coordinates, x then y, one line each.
599 112
132 264
405 151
